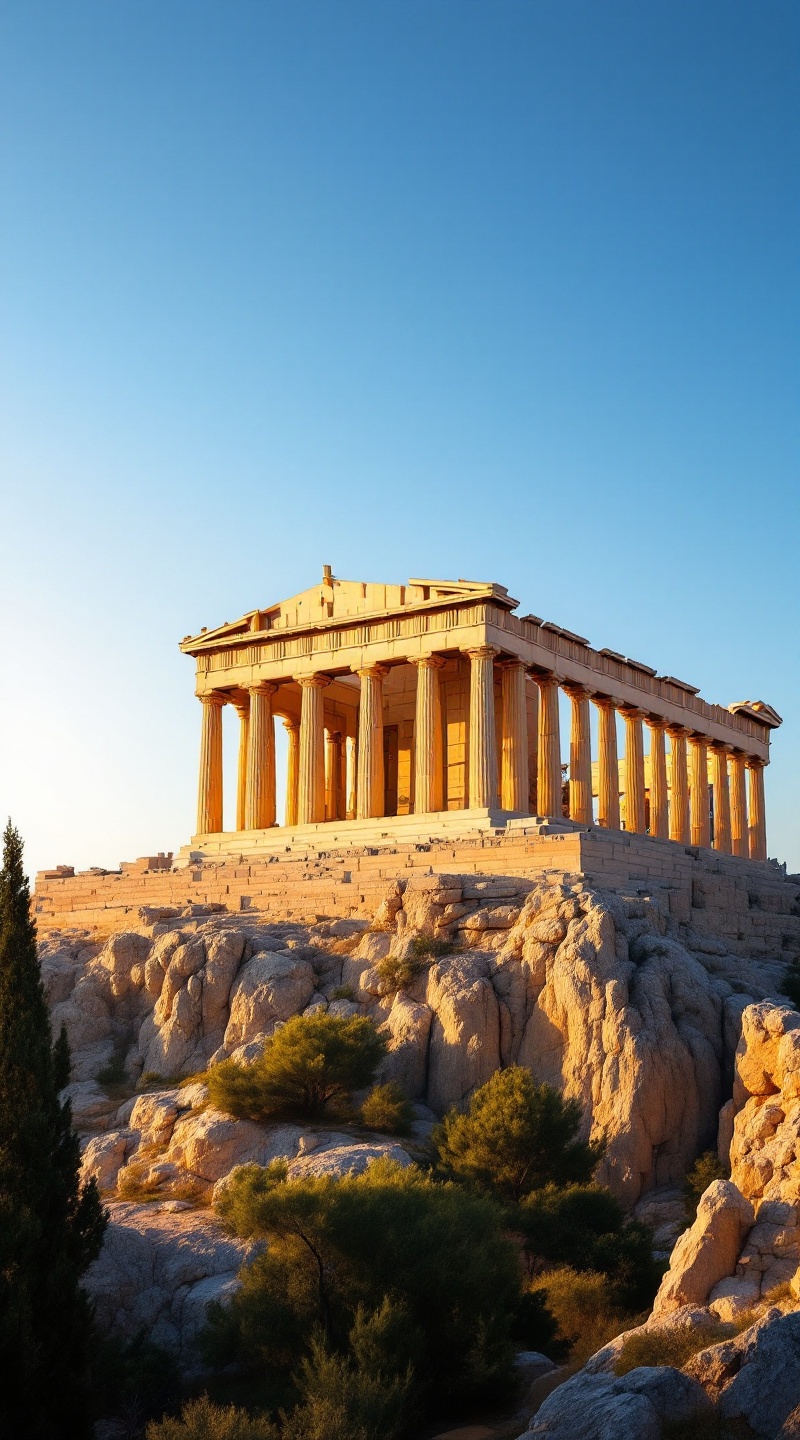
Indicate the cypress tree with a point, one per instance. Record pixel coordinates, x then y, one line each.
51 1227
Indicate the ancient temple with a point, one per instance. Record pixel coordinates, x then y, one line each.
435 699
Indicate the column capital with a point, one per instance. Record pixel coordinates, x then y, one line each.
242 707
677 732
214 697
754 762
632 712
262 687
372 672
313 682
603 702
428 662
293 726
698 737
719 747
576 691
482 652
656 722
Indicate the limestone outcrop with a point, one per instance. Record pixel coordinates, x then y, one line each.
640 1405
708 1250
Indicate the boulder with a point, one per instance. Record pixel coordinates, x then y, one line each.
708 1250
407 1028
465 1034
269 988
352 1159
606 1407
210 1144
755 1376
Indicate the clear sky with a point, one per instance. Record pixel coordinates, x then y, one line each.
502 289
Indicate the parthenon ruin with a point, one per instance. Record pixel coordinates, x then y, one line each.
434 699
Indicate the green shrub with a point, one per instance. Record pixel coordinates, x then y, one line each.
398 972
386 1108
585 1227
311 1064
707 1168
672 1346
430 947
585 1310
343 992
515 1137
339 1246
201 1420
358 1398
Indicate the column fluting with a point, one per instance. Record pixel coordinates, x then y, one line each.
514 740
243 711
758 824
209 794
259 809
482 734
607 765
580 756
334 779
634 772
370 798
700 820
311 769
740 844
722 799
549 802
659 810
428 750
292 728
679 822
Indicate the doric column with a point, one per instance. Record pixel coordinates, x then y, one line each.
209 795
722 799
758 824
659 811
352 776
370 798
549 797
292 729
740 843
698 790
482 736
243 711
514 740
607 765
679 827
334 775
634 771
580 756
428 757
311 770
259 807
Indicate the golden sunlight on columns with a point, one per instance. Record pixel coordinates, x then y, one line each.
739 838
209 795
311 769
243 711
607 765
370 788
514 751
549 794
351 762
428 754
482 737
634 772
292 729
659 812
334 777
259 807
679 828
580 757
758 824
698 790
722 799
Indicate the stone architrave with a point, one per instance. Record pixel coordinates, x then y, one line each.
482 735
659 809
428 749
679 825
580 756
209 795
699 808
607 765
722 799
243 711
549 799
739 837
259 809
334 777
311 769
514 779
292 729
758 829
370 798
634 771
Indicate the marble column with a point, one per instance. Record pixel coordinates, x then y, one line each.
334 777
428 750
740 844
758 824
698 791
352 776
482 734
580 756
532 711
370 798
243 711
722 799
259 807
679 826
514 739
634 772
209 795
607 765
311 768
292 729
659 809
549 797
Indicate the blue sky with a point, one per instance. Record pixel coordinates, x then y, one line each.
457 288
